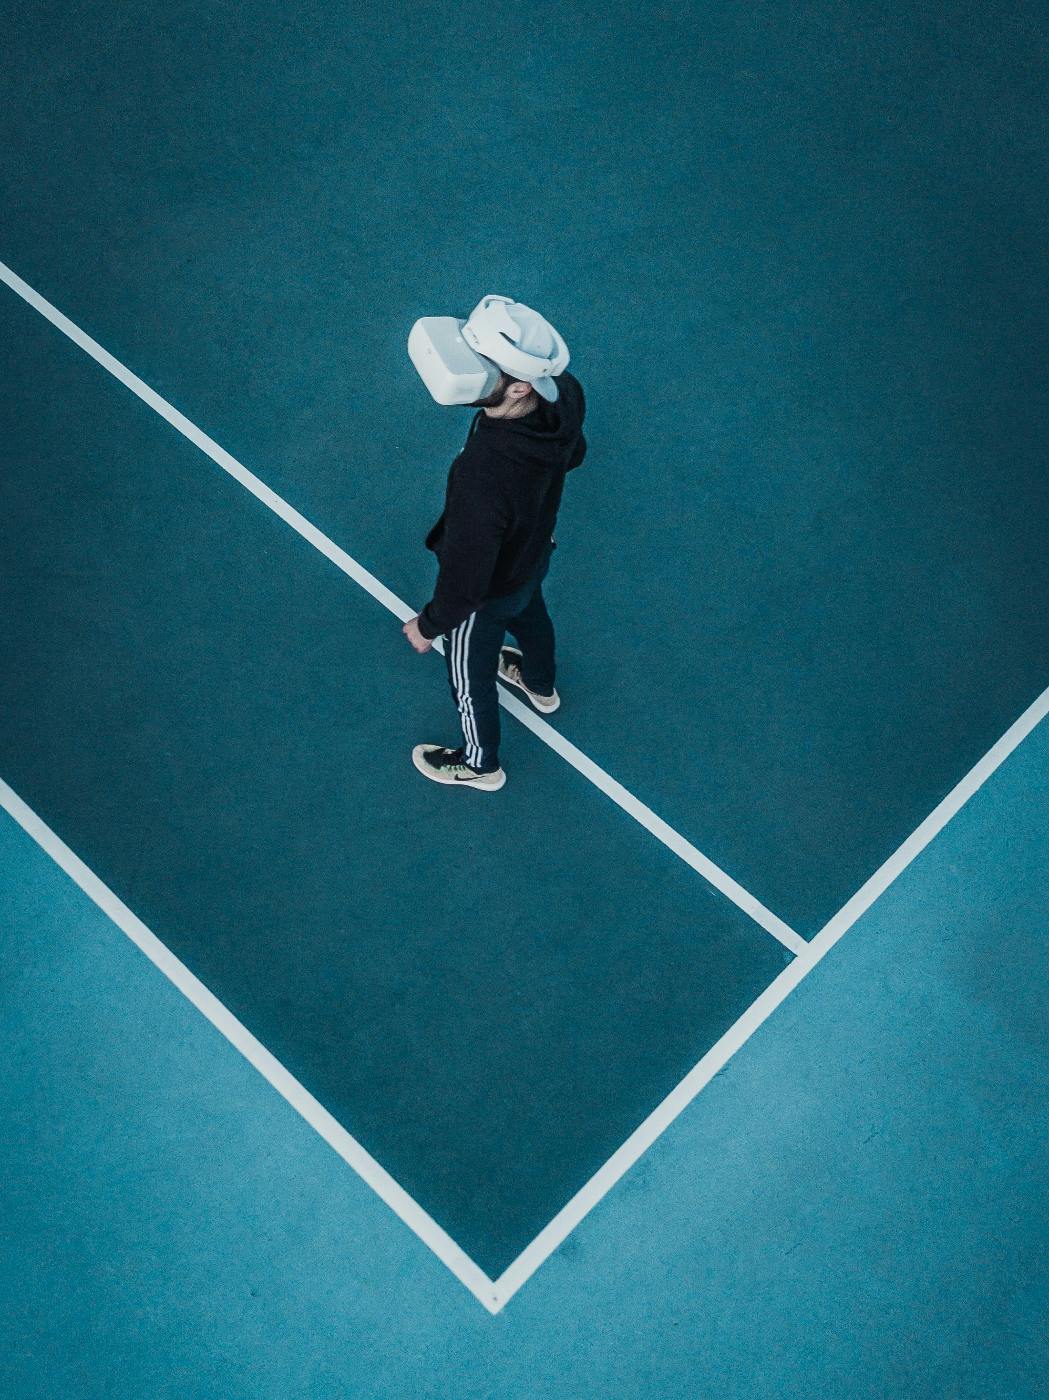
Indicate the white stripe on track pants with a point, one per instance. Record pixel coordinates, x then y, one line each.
471 653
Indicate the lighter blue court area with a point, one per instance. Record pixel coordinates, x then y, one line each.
855 1207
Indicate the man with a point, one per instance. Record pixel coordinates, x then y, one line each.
494 539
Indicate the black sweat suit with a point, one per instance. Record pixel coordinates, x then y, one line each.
493 544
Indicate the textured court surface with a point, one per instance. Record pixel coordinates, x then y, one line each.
855 1208
202 723
799 259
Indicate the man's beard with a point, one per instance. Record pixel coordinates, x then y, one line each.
495 399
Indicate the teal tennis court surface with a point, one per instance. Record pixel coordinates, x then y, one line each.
728 1011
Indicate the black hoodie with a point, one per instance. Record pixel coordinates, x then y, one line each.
504 491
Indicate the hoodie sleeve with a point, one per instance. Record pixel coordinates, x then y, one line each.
475 520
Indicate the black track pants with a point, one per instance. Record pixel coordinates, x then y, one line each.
471 652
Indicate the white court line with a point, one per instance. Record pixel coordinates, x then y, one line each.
301 1100
712 873
548 1239
493 1295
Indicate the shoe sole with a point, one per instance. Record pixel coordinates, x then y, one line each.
427 772
543 709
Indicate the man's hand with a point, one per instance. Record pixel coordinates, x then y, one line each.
411 631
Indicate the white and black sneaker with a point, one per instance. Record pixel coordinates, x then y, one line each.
450 766
510 672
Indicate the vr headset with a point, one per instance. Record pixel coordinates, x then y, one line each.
460 361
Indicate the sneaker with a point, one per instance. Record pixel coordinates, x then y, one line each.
449 766
510 671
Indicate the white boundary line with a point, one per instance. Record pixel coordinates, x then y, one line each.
675 842
548 1239
289 1088
493 1295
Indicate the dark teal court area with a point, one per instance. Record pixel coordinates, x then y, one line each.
489 995
798 257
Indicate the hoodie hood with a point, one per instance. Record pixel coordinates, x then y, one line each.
546 437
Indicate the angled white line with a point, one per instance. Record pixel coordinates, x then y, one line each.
493 1295
548 1239
349 566
934 823
301 1100
675 842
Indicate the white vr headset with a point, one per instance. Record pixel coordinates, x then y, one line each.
460 361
